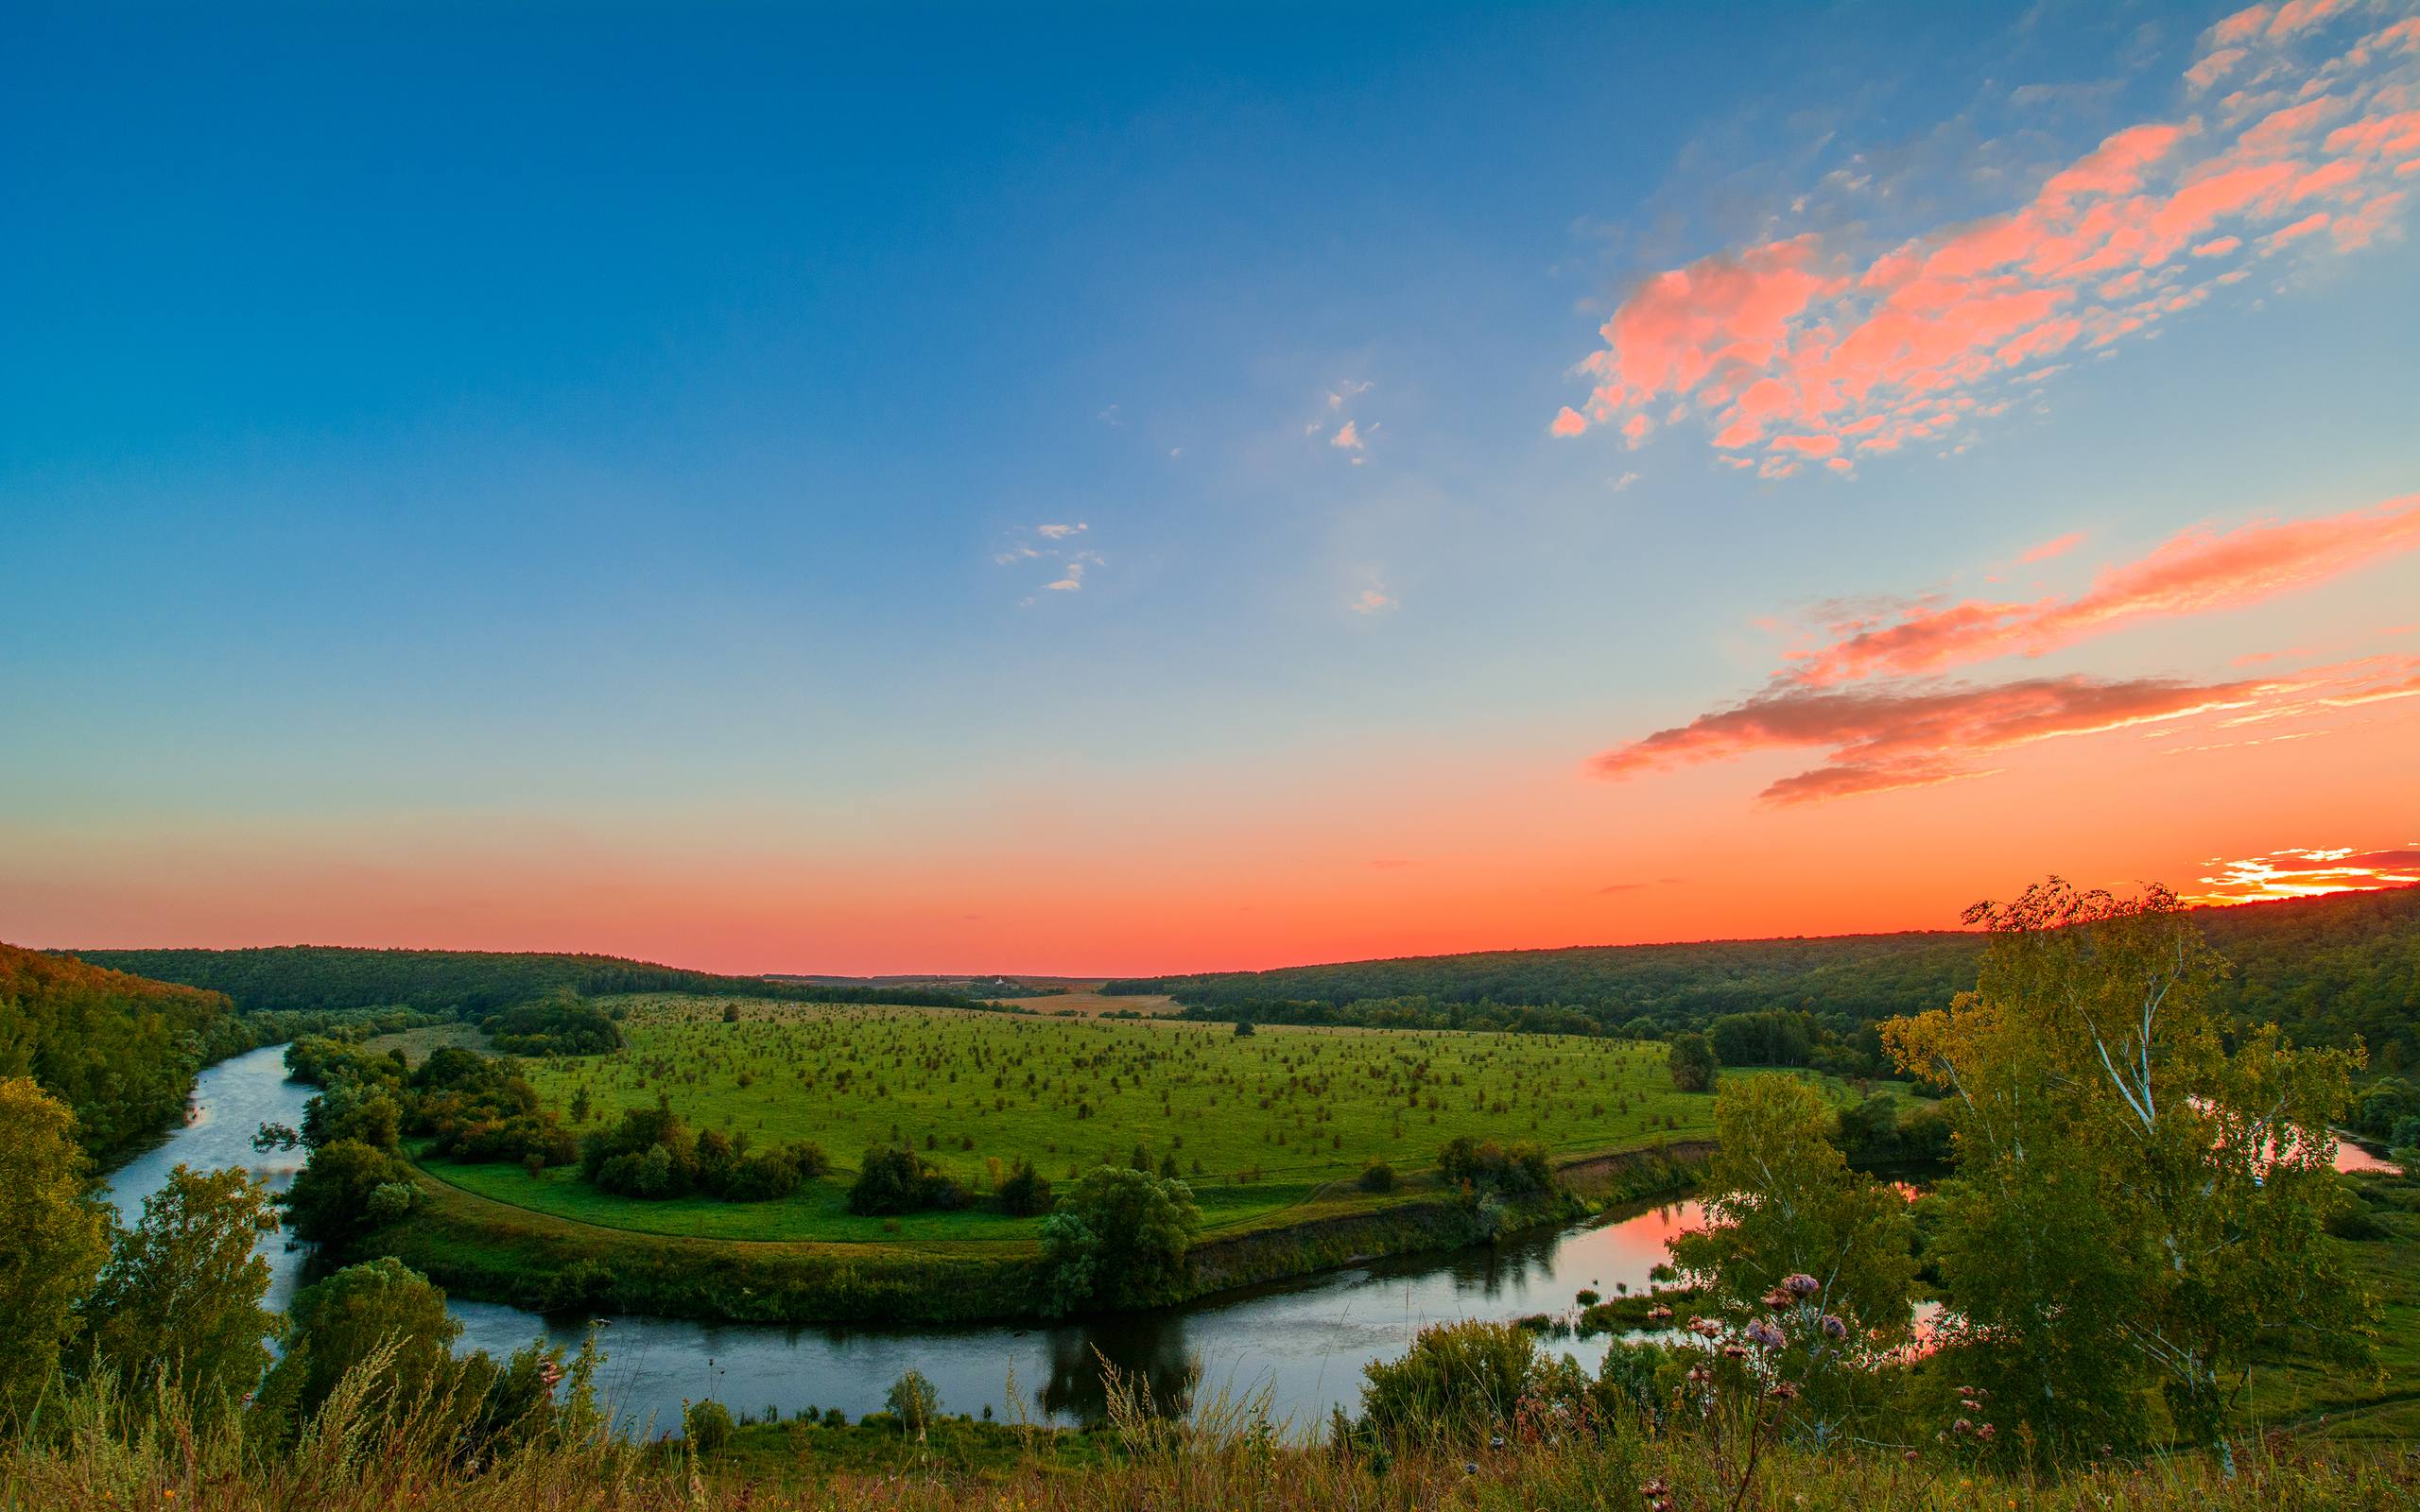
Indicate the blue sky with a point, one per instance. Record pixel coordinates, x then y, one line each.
441 422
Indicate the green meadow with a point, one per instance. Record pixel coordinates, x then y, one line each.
1257 1124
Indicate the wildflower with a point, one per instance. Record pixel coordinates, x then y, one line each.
1495 1441
1777 1298
1470 1466
1782 1390
1801 1284
1962 1426
1656 1488
1765 1333
1659 1315
1910 1455
1736 1351
1987 1432
1704 1327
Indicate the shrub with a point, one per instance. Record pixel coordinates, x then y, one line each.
895 1179
334 1200
1377 1176
915 1403
706 1425
1025 1192
1691 1062
1120 1238
1457 1379
1511 1172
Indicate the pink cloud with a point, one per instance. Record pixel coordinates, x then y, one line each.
2196 571
2306 872
2059 546
1795 341
1567 422
1915 735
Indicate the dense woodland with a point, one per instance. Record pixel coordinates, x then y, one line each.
122 1051
471 983
2328 970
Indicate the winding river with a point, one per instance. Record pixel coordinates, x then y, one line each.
1301 1343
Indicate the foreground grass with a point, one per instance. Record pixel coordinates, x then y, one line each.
112 1463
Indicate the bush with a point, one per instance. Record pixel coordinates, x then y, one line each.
334 1198
1119 1239
1025 1192
1457 1379
1691 1062
896 1179
1489 1169
706 1425
915 1403
1377 1176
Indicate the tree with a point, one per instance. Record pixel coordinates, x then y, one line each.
332 1199
1791 1229
181 1297
2136 1203
1691 1062
915 1403
51 1243
349 1320
896 1179
1119 1239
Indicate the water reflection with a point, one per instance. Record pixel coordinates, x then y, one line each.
1301 1343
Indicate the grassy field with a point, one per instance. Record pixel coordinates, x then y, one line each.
1264 1125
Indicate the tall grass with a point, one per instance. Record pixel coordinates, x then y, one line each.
93 1448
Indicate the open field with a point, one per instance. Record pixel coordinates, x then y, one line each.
1266 1127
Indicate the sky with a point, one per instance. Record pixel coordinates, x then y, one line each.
1123 490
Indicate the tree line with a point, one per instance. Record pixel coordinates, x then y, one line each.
467 983
2335 970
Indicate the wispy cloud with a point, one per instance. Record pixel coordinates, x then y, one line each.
1049 544
1344 391
1370 601
2196 571
1915 735
2060 546
1808 340
1347 437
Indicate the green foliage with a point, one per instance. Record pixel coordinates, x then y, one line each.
473 983
2332 972
380 1311
1457 1379
706 1425
1811 1262
119 1052
180 1301
1691 1063
1770 1037
1119 1239
895 1179
1376 1177
1024 1192
51 1238
558 1024
2140 1192
1249 1124
1486 1168
914 1402
335 1198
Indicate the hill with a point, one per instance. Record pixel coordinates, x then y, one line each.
120 1051
470 982
2330 969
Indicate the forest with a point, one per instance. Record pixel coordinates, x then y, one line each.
471 983
2328 970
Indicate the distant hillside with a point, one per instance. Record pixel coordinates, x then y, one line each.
120 1051
470 982
2328 968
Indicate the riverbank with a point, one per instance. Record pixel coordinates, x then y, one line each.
486 1250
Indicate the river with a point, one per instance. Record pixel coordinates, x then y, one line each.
1302 1343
